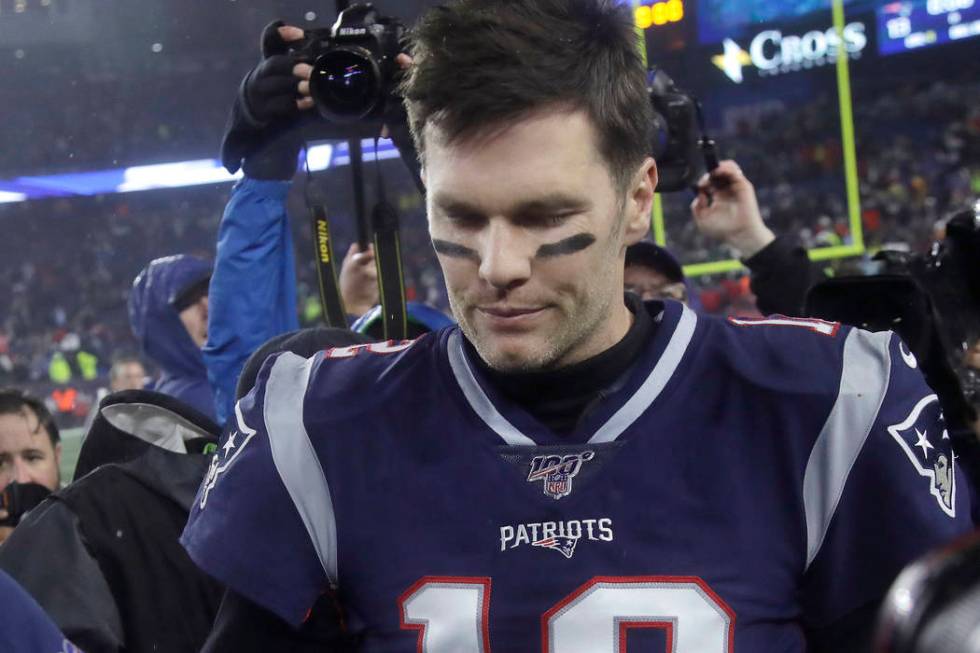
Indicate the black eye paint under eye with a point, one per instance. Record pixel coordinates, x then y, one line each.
570 245
447 248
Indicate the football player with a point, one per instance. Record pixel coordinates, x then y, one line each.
567 470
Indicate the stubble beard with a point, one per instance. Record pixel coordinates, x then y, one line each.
556 344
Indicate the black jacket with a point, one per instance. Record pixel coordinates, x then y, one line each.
101 556
781 276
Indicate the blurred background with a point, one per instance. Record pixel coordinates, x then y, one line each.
112 115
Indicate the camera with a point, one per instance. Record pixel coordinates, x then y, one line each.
679 145
18 498
932 301
354 67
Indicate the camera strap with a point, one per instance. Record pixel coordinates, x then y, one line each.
388 258
331 299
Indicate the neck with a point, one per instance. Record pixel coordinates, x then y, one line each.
611 331
559 398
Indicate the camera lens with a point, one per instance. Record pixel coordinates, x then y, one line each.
345 84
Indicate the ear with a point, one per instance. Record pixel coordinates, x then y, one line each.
57 455
639 202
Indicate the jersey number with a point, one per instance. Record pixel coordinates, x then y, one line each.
809 323
451 614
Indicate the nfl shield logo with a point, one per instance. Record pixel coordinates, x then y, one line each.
557 472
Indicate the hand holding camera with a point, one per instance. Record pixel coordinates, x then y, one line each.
263 135
348 72
15 501
726 209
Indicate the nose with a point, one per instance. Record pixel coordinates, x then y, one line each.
22 472
505 259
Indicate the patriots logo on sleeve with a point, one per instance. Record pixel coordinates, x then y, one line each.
226 455
924 439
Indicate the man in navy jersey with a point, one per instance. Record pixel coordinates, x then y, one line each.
566 470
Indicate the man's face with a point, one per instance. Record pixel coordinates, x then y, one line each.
129 376
195 320
531 231
26 454
650 284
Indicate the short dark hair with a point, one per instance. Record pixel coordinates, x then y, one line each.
14 401
482 63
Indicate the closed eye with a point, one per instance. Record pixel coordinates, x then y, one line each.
466 220
546 220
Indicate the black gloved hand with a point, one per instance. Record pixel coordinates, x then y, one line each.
263 134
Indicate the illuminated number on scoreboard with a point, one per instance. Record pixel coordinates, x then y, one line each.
451 614
659 13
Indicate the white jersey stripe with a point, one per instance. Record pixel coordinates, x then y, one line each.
864 382
296 460
628 413
478 399
654 384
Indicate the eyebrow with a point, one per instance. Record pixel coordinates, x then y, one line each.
546 204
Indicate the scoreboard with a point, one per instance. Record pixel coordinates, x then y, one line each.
911 24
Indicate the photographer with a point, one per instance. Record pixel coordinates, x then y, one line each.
253 289
101 556
30 455
567 465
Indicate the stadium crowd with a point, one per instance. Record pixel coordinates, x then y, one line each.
918 153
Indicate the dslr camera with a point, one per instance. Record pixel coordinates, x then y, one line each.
19 498
354 67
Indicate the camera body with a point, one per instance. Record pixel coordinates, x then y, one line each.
18 498
932 301
677 141
354 67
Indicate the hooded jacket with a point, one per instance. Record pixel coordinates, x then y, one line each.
102 556
162 336
253 290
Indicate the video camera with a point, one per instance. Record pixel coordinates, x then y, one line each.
932 301
681 147
354 67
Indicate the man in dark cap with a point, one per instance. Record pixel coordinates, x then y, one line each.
653 273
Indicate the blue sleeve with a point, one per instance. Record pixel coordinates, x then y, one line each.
252 297
24 627
881 487
257 516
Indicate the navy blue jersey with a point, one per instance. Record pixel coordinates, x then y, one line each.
24 626
748 477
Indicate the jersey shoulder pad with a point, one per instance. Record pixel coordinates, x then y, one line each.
793 355
351 379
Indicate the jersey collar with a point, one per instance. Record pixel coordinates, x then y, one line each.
516 428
